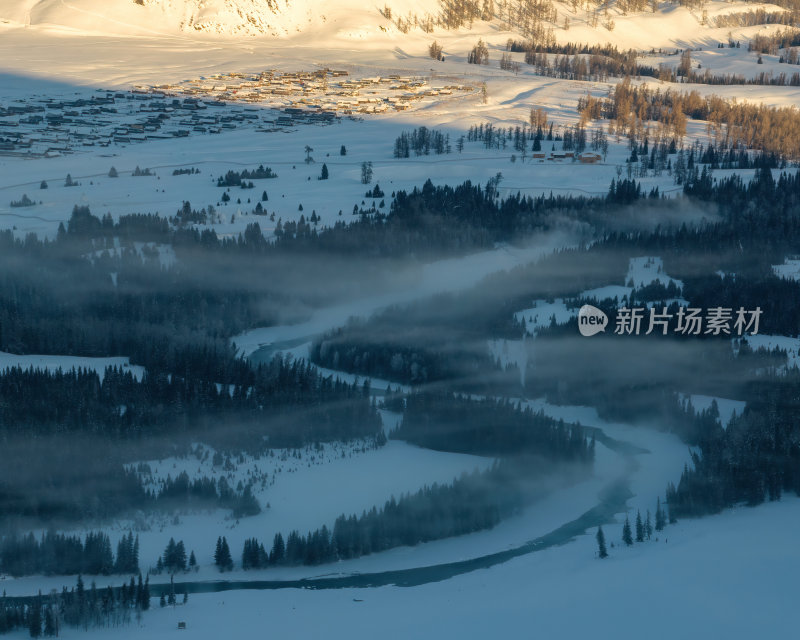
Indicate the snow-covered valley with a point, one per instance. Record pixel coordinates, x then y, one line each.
219 219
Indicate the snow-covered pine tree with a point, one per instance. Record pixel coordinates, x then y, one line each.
602 552
627 536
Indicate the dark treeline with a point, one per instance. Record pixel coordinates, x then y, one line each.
77 607
59 554
120 407
182 491
236 178
83 295
289 404
617 375
472 503
419 345
759 228
595 67
750 226
529 446
177 320
489 427
167 322
754 459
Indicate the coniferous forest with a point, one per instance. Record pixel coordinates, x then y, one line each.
88 294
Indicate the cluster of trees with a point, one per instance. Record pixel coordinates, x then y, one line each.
235 178
498 137
644 528
479 54
222 555
490 427
388 347
78 607
174 558
774 41
572 138
422 141
56 297
753 18
733 124
758 228
255 556
288 403
159 404
655 158
507 63
594 66
753 459
428 222
182 491
59 554
366 172
472 503
685 70
599 62
24 201
459 13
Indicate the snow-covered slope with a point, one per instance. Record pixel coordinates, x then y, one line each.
355 20
221 17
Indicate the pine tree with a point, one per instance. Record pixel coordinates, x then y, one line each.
222 555
639 527
218 552
227 560
648 526
627 536
278 552
192 560
146 594
660 517
602 552
324 173
180 556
